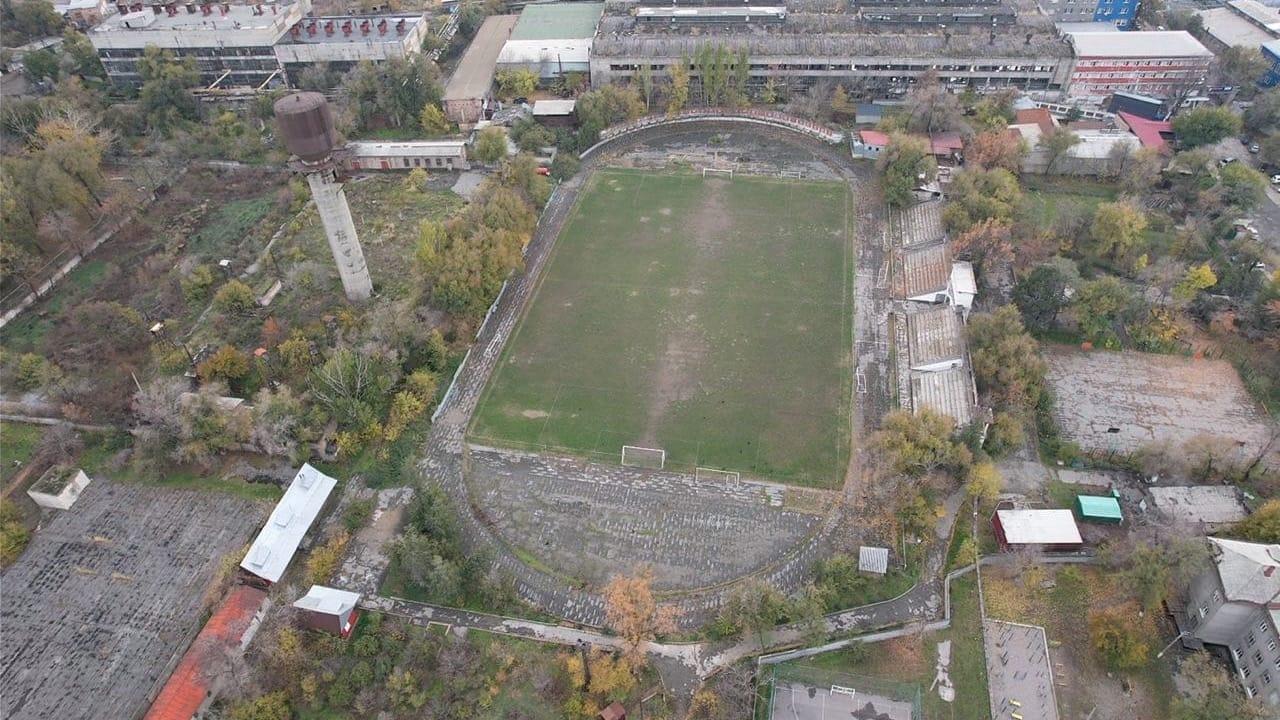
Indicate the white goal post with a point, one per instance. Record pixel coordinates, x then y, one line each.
841 690
796 174
652 458
722 171
729 477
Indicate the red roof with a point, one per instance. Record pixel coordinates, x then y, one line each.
946 143
1035 116
873 137
188 686
1149 132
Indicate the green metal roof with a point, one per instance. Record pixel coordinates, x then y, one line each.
1096 507
558 21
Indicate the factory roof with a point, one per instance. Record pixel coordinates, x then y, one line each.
948 392
1039 527
1208 504
474 74
409 148
1151 133
824 35
1138 44
1258 13
225 18
935 335
275 546
923 271
363 29
713 12
558 21
1227 27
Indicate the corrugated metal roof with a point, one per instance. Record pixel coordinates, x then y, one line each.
921 224
474 74
935 335
873 559
415 148
327 600
1249 571
558 21
191 683
923 271
276 544
947 392
553 107
1039 527
1099 507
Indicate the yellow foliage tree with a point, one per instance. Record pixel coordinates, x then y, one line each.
633 612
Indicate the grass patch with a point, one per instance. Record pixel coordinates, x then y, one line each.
705 317
229 223
18 443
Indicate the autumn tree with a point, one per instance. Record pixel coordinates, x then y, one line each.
1006 360
840 104
605 106
433 120
1262 526
1242 66
977 195
996 149
1117 638
1207 691
915 444
678 89
931 108
1197 278
984 483
1241 186
520 83
1102 308
1117 229
755 607
633 612
1142 171
989 243
905 164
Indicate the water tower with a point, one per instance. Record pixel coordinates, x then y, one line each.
307 128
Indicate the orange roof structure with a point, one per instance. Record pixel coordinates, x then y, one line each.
190 684
1036 116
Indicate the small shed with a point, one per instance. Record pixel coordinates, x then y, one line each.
615 711
59 487
1036 529
555 113
329 610
873 560
1099 509
868 114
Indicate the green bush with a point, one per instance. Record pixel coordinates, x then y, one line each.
235 298
196 286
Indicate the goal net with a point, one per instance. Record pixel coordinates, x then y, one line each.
729 477
717 171
652 458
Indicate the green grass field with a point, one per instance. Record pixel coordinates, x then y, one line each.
710 318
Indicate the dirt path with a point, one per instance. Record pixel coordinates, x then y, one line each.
676 375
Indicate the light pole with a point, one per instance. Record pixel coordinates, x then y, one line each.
1180 635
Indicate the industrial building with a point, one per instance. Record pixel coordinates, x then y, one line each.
255 46
343 41
1161 64
1036 529
469 94
552 39
276 544
1117 13
880 50
406 155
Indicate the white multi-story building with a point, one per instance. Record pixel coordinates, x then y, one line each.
1161 64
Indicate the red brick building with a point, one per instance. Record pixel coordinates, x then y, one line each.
1159 64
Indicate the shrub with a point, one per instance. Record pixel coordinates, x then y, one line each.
324 560
235 298
357 514
195 287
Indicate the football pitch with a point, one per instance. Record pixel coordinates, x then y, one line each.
707 317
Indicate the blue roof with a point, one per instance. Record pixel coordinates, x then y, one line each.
1272 48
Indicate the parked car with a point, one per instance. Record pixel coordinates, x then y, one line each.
1255 148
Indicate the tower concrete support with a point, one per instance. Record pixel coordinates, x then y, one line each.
335 215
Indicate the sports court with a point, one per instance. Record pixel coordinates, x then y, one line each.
709 317
799 692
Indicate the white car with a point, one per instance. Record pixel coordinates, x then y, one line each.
1275 179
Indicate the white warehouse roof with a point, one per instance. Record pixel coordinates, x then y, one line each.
274 547
327 600
1138 44
413 148
1039 527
